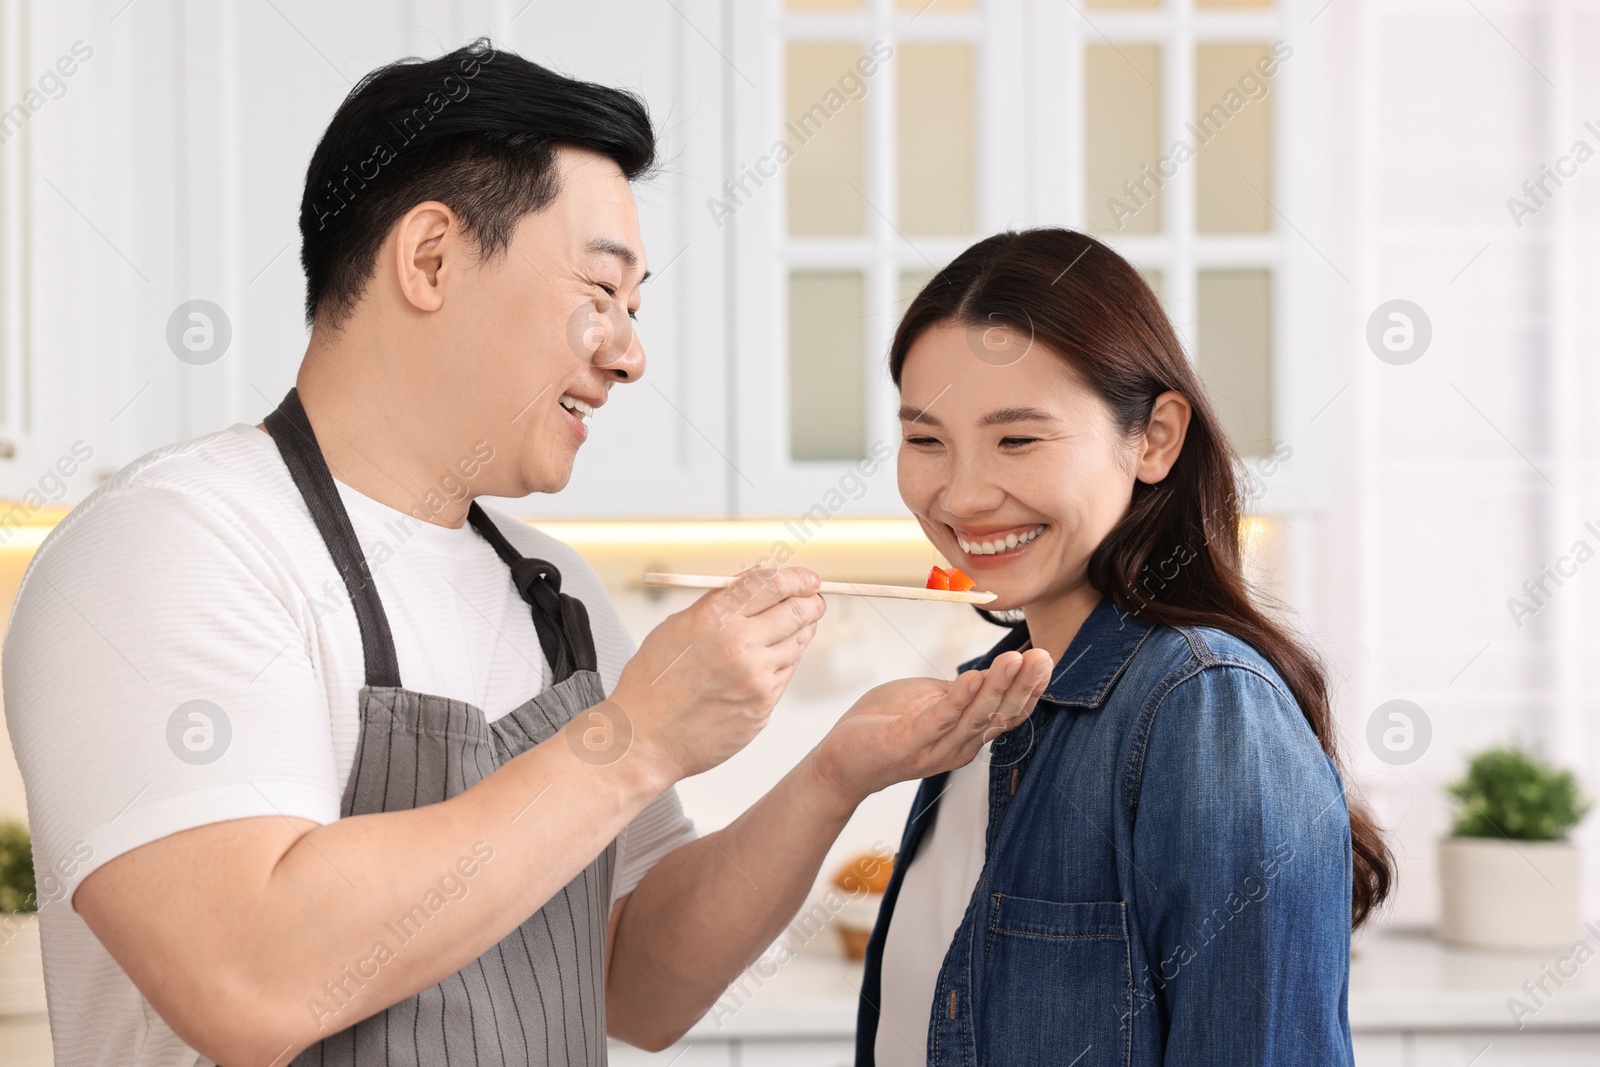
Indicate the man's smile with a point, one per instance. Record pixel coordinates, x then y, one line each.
576 411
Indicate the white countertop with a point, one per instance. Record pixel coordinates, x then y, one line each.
1412 982
1398 982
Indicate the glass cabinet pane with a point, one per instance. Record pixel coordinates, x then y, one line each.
827 365
911 283
1231 5
935 124
1152 278
1122 138
1233 125
1122 5
1235 342
824 5
825 133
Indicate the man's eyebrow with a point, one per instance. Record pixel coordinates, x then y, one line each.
913 414
1005 415
608 246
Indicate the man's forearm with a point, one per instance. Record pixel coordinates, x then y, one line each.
478 864
708 910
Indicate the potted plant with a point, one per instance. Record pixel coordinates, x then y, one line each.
1509 877
21 966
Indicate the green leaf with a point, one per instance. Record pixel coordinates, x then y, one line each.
17 892
1510 793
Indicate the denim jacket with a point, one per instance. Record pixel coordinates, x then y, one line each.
1168 870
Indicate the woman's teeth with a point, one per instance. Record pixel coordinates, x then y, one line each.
999 544
576 406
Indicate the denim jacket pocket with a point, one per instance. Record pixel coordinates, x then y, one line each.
1040 1007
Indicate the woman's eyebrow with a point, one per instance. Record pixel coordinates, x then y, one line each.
1004 415
910 413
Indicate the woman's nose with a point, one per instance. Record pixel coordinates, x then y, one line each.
972 490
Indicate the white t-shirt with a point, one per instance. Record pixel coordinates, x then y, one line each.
196 574
933 898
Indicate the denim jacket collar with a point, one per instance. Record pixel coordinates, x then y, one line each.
1097 655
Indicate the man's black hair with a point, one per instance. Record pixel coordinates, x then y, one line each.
476 129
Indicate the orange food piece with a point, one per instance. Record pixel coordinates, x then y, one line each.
951 578
867 872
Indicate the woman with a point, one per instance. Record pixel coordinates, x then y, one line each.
1160 866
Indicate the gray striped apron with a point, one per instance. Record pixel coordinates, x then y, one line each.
537 997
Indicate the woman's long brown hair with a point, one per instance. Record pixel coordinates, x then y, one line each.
1076 298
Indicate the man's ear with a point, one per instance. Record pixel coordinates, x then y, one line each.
1163 437
427 243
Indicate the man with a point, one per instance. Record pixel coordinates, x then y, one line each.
317 780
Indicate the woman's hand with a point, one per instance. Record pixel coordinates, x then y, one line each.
916 727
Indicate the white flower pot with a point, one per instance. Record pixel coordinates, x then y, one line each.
1508 894
21 965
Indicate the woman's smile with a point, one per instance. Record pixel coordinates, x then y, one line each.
992 547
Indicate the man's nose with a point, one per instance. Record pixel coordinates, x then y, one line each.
623 357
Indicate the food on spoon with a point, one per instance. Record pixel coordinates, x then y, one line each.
951 579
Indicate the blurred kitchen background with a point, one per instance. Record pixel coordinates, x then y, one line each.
1377 255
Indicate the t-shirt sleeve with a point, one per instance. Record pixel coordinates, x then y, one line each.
158 677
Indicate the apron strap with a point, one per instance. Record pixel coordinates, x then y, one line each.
297 443
562 621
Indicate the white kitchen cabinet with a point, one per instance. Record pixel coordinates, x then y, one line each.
839 219
48 68
824 258
659 446
170 170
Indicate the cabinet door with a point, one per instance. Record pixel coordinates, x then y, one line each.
659 446
822 1053
51 246
863 164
